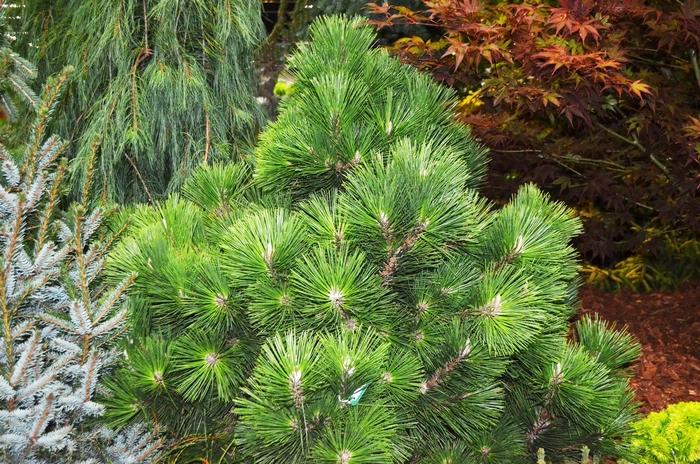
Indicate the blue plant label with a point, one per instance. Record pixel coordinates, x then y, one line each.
357 395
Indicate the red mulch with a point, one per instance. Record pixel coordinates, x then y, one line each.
668 327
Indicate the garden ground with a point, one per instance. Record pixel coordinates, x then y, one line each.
668 326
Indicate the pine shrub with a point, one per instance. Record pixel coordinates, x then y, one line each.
58 317
163 85
352 298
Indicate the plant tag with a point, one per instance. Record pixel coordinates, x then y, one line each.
356 396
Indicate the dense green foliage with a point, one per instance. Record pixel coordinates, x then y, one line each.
162 86
669 436
595 101
333 121
352 299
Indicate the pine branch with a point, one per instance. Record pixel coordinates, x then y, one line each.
80 258
89 173
541 424
135 101
512 255
112 299
54 196
52 91
392 263
19 370
40 425
249 310
140 177
441 374
90 366
7 311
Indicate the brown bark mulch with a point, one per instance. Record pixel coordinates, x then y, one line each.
667 324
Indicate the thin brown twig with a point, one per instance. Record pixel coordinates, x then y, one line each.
138 174
445 370
279 24
634 142
392 262
6 310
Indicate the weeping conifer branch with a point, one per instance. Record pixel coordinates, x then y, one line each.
163 86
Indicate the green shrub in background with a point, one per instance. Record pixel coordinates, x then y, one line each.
669 436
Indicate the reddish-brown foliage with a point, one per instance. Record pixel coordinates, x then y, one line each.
598 101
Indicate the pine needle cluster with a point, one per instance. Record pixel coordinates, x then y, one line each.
352 299
58 317
365 104
163 85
